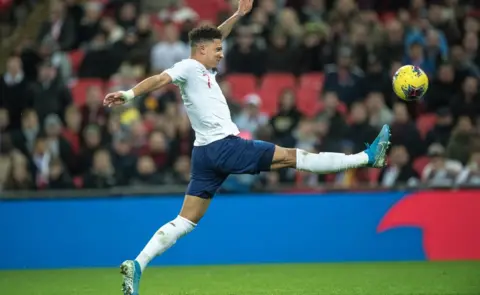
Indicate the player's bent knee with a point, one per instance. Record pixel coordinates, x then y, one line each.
284 158
194 208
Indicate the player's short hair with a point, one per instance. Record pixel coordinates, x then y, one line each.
203 34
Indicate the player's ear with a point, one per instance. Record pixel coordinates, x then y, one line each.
202 48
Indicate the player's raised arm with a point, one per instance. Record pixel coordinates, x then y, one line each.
244 7
148 85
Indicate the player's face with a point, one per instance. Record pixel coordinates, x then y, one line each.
214 53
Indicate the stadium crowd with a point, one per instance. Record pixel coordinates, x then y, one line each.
313 74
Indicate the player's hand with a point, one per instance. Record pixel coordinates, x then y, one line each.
114 99
244 7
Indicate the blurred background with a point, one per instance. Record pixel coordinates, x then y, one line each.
311 74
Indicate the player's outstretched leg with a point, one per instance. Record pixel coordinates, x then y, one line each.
192 211
323 163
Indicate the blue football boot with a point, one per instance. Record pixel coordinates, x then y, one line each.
377 151
131 271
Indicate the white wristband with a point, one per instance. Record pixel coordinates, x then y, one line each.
128 95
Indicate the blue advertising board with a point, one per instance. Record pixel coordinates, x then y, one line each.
237 229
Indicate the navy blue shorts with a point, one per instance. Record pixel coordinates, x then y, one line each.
214 162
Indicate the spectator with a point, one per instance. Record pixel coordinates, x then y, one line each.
127 15
440 171
14 91
144 29
393 46
146 172
433 49
463 66
468 101
442 129
405 132
444 22
60 27
261 22
98 53
93 112
139 136
56 144
378 112
345 78
416 56
378 80
41 157
75 10
49 92
442 89
360 43
72 129
181 170
359 130
314 50
20 178
251 117
332 113
460 143
471 174
182 145
281 54
288 116
313 11
470 44
168 51
399 170
92 141
24 138
58 177
102 174
246 56
305 136
125 48
157 150
122 157
89 24
111 30
49 51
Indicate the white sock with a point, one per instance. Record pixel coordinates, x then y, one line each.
163 239
329 162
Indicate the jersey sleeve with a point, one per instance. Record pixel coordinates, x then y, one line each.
180 71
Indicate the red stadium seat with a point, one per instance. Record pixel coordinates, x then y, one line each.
308 101
76 58
271 87
269 102
425 123
241 85
79 89
420 163
207 9
312 80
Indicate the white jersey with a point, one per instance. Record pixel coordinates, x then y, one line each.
204 101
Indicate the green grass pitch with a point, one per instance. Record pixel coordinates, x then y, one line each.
402 278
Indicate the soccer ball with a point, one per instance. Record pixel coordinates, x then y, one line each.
410 83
